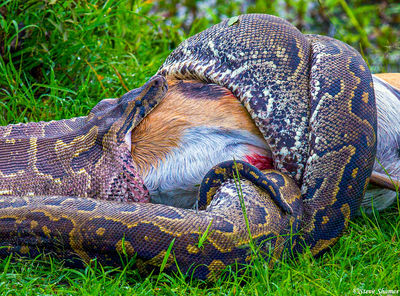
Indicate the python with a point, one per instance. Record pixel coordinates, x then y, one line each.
199 125
317 114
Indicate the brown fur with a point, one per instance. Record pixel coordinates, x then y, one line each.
392 78
186 105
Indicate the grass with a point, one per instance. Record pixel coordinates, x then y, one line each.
59 58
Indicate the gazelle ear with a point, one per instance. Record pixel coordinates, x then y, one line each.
385 181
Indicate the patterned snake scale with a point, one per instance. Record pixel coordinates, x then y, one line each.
311 97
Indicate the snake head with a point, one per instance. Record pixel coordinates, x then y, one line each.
116 118
137 103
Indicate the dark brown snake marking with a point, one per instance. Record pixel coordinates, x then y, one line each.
313 100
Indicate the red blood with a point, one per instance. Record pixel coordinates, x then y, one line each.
261 162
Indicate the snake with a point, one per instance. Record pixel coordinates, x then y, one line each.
70 187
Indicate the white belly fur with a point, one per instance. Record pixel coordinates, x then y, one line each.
175 180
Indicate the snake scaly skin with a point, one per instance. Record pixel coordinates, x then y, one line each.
311 97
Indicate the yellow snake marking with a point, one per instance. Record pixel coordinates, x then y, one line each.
157 222
18 219
322 244
275 180
365 97
220 171
89 139
12 175
192 249
46 231
75 241
249 257
281 52
216 265
123 245
327 97
272 190
67 126
287 191
34 224
10 141
345 209
109 137
300 66
256 176
210 194
33 159
24 249
240 238
366 184
100 231
42 131
239 167
214 268
354 173
158 259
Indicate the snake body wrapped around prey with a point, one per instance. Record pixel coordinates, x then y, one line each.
312 99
